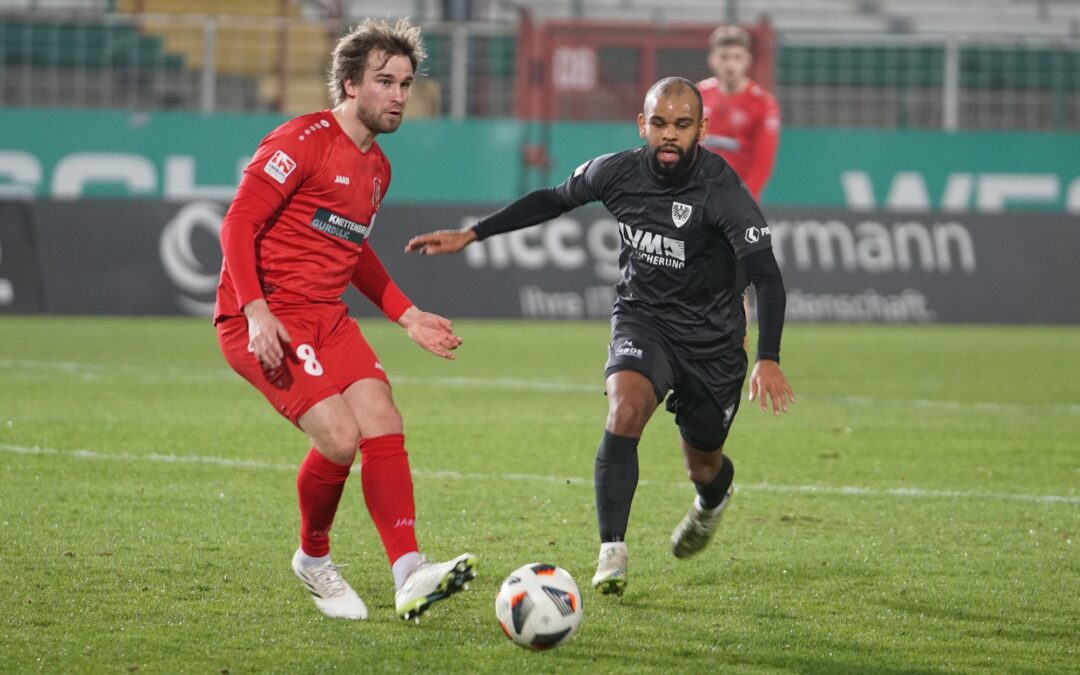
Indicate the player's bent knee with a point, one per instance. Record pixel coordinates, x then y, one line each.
628 417
373 408
704 440
340 445
332 430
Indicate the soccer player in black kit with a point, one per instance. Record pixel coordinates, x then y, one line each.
685 220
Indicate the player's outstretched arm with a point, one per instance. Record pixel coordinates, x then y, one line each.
768 385
441 241
526 211
431 331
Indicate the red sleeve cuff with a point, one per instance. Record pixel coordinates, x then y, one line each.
394 302
371 279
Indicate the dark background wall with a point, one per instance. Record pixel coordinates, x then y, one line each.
123 256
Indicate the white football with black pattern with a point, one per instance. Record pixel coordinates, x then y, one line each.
539 606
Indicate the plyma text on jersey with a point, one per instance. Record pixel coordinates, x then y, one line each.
653 248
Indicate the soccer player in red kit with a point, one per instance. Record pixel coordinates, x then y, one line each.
744 118
294 237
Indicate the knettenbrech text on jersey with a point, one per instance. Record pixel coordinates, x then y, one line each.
339 226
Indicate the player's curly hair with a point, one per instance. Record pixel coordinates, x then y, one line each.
350 56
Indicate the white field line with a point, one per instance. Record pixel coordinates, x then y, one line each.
907 492
97 371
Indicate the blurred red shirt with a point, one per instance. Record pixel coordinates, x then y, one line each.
744 129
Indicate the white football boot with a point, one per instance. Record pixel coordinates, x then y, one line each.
332 594
431 582
696 529
610 577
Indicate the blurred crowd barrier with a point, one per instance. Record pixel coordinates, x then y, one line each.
272 56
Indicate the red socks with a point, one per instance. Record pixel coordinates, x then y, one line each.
388 492
319 484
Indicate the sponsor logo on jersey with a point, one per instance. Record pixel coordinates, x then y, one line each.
340 226
627 348
344 180
280 166
653 248
680 213
754 234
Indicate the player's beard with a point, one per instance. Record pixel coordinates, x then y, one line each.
686 157
380 124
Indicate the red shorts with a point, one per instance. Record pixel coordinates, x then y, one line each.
327 354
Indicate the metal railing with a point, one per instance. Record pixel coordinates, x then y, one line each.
234 63
946 82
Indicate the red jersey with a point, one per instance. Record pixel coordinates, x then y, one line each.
744 129
297 231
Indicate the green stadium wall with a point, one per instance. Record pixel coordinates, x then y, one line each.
69 154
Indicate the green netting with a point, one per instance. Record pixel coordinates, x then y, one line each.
980 68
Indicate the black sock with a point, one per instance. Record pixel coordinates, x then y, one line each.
713 493
616 477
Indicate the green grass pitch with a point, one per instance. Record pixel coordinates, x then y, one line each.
917 512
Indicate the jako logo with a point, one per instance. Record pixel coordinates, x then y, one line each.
344 180
753 234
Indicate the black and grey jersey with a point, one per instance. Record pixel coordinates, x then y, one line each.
681 240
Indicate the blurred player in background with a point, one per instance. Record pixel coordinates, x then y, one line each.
744 118
684 220
294 237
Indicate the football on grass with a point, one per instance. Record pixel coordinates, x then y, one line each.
539 606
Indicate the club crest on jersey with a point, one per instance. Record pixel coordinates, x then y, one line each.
680 213
280 166
376 193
